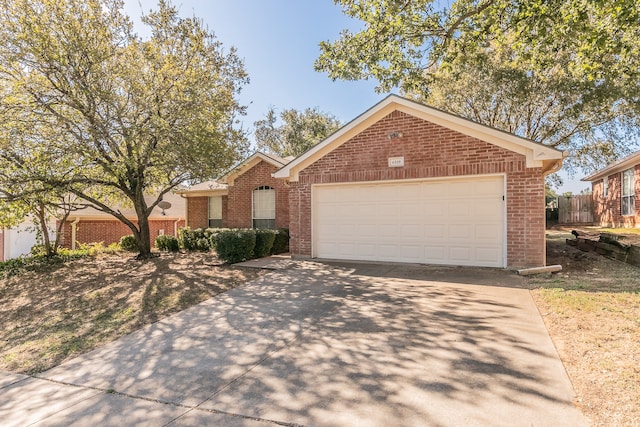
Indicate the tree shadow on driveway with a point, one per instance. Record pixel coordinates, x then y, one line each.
320 344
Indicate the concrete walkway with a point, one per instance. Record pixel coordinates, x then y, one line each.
321 345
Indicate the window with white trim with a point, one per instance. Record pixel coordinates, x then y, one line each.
605 186
628 192
264 207
215 211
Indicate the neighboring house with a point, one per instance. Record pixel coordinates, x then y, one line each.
404 182
248 196
616 190
92 226
18 240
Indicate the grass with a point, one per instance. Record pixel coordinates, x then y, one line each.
592 312
51 313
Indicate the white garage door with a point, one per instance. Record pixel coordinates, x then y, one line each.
452 222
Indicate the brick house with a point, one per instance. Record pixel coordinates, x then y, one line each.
404 182
247 196
92 226
616 190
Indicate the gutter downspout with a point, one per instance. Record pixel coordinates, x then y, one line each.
74 232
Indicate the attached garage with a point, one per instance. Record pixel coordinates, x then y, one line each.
404 182
439 221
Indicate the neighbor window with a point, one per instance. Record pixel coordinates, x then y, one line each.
605 186
628 192
264 207
215 212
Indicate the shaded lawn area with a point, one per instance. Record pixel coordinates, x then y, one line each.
57 312
592 311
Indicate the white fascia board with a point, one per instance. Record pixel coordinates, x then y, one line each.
536 154
615 167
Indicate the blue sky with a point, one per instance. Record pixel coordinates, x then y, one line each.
278 40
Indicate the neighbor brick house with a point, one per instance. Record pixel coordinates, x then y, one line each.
92 226
404 182
247 196
616 193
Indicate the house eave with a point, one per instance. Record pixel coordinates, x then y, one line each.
614 168
537 155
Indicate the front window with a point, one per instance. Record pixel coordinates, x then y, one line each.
628 192
605 186
215 212
264 207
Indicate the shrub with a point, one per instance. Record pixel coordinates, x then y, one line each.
194 240
211 235
167 243
264 242
281 242
129 243
235 245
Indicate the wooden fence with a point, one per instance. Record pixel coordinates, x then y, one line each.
575 209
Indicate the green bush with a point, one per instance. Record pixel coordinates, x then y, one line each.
15 266
264 242
194 240
167 243
129 243
211 234
281 242
235 245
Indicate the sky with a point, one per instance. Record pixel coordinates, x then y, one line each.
278 41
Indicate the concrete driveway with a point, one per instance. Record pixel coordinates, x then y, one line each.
322 345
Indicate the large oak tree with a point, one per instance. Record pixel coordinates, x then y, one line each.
91 108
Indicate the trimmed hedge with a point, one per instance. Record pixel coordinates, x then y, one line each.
194 240
235 245
281 242
167 243
129 243
264 242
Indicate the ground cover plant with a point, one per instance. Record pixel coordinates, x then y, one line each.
592 312
54 312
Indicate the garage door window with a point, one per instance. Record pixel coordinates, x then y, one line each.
264 207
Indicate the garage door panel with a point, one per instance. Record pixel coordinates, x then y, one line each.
454 221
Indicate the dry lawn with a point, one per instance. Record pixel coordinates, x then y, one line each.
58 312
592 311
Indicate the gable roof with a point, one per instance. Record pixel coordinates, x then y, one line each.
220 186
615 167
250 162
537 155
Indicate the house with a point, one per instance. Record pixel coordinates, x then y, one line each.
19 240
92 226
247 196
616 190
404 182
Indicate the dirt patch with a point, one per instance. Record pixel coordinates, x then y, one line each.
592 312
55 313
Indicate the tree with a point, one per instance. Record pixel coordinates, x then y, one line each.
94 110
563 73
298 131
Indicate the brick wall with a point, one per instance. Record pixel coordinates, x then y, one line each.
198 212
111 231
607 211
239 201
429 151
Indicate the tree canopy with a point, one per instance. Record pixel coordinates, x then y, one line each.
563 73
92 109
295 132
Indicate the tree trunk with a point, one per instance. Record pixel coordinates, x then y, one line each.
41 213
143 237
143 234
